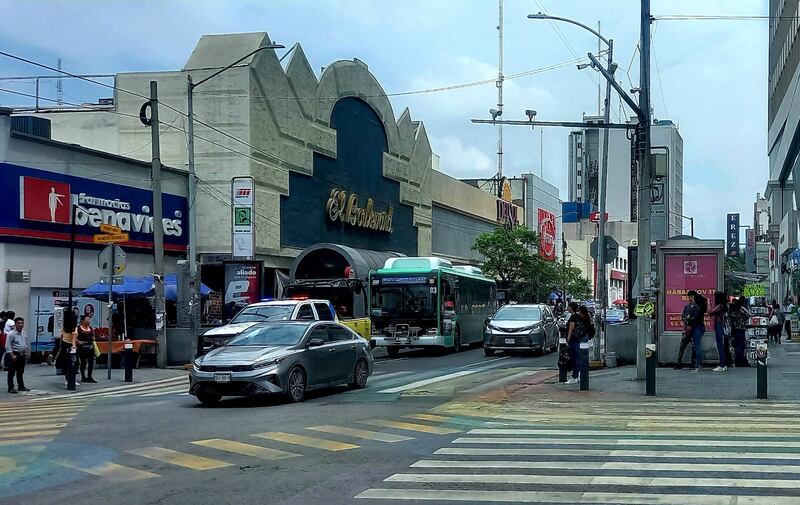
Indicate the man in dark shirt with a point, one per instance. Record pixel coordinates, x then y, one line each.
686 339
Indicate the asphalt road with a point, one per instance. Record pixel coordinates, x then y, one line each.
167 449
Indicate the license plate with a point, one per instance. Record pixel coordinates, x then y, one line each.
511 341
222 377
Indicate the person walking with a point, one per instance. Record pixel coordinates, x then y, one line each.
10 317
86 348
575 332
686 339
739 316
788 308
698 325
720 313
3 318
17 351
776 321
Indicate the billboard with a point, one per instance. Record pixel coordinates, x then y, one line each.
547 235
732 236
684 272
242 286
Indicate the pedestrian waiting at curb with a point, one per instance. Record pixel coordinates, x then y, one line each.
776 321
739 316
686 339
720 314
574 331
17 351
86 348
698 324
69 347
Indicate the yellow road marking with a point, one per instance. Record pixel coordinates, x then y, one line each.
7 465
111 471
49 410
357 433
25 441
180 458
400 425
317 443
38 418
255 451
430 417
31 427
28 434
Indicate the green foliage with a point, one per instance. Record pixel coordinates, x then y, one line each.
510 256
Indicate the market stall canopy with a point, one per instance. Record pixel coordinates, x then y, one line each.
139 287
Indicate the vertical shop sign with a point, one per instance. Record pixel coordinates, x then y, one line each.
242 286
242 218
732 235
547 235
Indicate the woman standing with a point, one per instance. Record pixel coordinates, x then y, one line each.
69 346
86 348
720 312
698 327
575 332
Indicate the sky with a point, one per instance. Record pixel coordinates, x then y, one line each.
708 76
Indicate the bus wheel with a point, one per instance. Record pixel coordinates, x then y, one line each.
393 351
457 340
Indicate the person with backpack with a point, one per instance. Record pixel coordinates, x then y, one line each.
698 327
720 314
776 321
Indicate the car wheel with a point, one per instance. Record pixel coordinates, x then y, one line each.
393 351
360 374
209 399
296 385
488 352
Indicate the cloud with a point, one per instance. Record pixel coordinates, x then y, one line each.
459 160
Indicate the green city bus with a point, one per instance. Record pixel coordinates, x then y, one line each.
428 302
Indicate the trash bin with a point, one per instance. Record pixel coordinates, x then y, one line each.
610 359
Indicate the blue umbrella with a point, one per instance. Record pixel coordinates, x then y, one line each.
171 288
139 287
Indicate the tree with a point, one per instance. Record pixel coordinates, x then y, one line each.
510 256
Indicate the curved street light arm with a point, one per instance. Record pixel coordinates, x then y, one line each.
594 32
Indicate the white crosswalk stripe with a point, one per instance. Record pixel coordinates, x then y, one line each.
173 385
578 459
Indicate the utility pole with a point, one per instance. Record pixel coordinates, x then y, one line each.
158 230
500 101
643 155
599 82
194 281
563 270
603 195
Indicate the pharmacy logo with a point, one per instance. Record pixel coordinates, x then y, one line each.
44 200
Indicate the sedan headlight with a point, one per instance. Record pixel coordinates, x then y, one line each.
198 362
535 328
267 363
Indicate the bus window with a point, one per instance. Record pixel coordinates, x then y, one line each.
448 297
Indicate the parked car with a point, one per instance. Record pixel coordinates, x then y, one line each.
283 357
522 327
616 316
272 310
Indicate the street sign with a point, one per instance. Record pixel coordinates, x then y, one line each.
242 224
612 249
115 238
595 217
110 229
116 280
104 260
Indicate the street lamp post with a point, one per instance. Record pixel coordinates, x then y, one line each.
601 232
194 282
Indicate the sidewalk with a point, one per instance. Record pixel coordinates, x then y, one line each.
43 381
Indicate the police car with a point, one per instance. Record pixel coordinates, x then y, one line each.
273 310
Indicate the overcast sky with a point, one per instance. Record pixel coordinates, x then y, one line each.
710 77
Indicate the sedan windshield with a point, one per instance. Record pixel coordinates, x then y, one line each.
615 314
517 313
263 313
271 334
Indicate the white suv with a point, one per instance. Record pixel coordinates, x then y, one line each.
274 310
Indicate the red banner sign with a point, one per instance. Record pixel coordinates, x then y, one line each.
547 235
684 272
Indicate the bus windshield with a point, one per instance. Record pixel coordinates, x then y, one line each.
405 298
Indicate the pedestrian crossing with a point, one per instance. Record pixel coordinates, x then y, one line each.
170 386
626 452
275 446
24 422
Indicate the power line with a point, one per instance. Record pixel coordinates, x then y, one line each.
658 71
714 17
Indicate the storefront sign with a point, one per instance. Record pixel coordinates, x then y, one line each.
683 273
344 207
506 213
732 235
751 239
243 209
40 209
242 286
547 235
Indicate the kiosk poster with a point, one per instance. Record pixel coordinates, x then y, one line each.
242 286
684 272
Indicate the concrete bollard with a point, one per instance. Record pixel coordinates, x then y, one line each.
650 369
761 371
72 368
584 370
128 358
562 371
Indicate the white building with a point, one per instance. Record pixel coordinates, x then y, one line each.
579 254
585 156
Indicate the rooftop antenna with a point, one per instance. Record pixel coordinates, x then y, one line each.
59 88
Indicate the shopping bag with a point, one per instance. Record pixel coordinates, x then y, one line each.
96 349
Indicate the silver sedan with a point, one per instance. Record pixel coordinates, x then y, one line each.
285 357
530 327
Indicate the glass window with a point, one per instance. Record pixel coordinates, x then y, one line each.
261 313
271 334
518 313
337 334
323 312
305 312
321 333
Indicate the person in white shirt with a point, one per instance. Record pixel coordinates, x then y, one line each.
16 353
9 322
